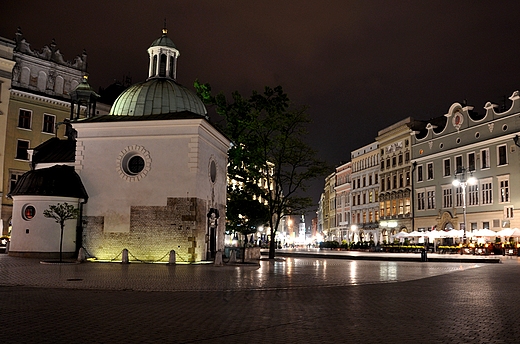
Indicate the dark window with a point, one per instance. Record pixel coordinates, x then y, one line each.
48 123
171 67
502 155
154 65
24 119
430 171
21 150
447 167
162 65
458 164
135 164
471 161
485 158
419 173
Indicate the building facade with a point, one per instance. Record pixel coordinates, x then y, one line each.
39 101
343 189
395 182
329 208
6 71
365 194
463 144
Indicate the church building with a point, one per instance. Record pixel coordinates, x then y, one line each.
149 177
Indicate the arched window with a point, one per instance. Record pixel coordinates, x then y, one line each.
171 67
162 65
154 65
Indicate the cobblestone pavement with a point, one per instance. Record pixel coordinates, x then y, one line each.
297 300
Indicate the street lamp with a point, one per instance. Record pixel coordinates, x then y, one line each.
460 180
353 228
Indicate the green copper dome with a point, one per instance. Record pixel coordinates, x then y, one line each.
157 96
163 41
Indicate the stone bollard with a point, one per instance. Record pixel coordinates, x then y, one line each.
81 255
232 256
218 258
124 258
171 259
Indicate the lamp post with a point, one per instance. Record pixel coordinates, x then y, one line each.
460 180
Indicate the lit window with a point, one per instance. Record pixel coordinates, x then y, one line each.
28 212
487 191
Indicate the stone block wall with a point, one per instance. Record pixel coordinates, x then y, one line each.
154 231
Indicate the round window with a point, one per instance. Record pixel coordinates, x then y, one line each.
135 164
28 212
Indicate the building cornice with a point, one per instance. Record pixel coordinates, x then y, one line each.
39 98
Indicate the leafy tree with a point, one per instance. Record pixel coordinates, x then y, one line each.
61 212
269 156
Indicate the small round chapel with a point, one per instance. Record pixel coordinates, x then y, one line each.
154 170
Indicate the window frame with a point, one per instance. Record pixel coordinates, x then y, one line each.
504 189
446 164
430 175
486 191
17 157
21 121
500 156
484 159
44 124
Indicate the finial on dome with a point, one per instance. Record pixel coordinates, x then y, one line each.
164 30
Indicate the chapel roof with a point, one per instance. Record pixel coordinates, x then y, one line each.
163 41
157 96
58 180
54 150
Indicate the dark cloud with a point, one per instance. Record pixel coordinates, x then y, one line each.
359 65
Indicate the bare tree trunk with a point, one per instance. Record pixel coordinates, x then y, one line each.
272 245
61 240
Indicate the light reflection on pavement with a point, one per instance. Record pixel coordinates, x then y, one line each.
280 274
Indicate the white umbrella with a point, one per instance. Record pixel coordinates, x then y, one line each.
457 234
509 232
436 234
416 234
485 233
401 235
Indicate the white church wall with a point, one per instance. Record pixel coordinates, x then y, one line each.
39 236
169 198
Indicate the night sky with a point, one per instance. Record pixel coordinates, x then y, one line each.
360 65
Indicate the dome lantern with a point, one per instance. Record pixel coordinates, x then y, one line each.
163 58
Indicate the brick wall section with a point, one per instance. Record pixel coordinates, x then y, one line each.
154 231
